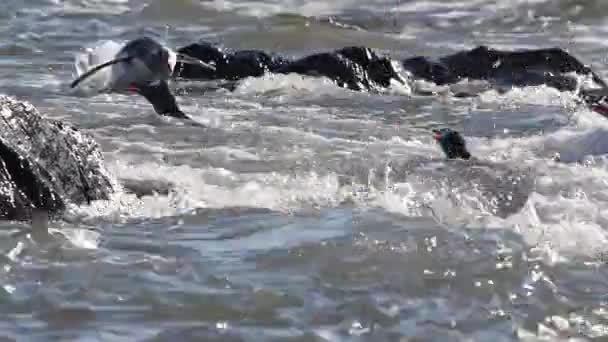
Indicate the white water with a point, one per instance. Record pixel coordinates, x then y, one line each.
353 226
563 211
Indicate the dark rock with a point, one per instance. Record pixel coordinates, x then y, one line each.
45 164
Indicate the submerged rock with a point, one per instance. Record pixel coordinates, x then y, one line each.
45 163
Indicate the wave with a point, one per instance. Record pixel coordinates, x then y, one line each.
561 210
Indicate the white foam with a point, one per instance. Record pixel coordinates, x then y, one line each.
465 8
283 87
573 145
274 7
81 238
564 214
538 95
98 53
95 6
210 188
289 85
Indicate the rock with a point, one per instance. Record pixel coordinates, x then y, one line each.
45 163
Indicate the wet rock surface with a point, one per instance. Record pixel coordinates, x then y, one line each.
45 163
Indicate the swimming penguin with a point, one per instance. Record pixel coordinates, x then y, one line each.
144 66
452 143
141 61
495 187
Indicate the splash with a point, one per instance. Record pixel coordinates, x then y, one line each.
290 85
195 188
99 53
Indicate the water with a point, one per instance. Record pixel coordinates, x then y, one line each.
307 212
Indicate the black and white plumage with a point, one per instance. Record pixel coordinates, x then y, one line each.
142 61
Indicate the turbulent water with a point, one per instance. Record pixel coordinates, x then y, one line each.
307 212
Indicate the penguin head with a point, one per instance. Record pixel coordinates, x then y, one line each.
452 143
150 61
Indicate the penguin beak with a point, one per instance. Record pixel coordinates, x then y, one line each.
436 134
